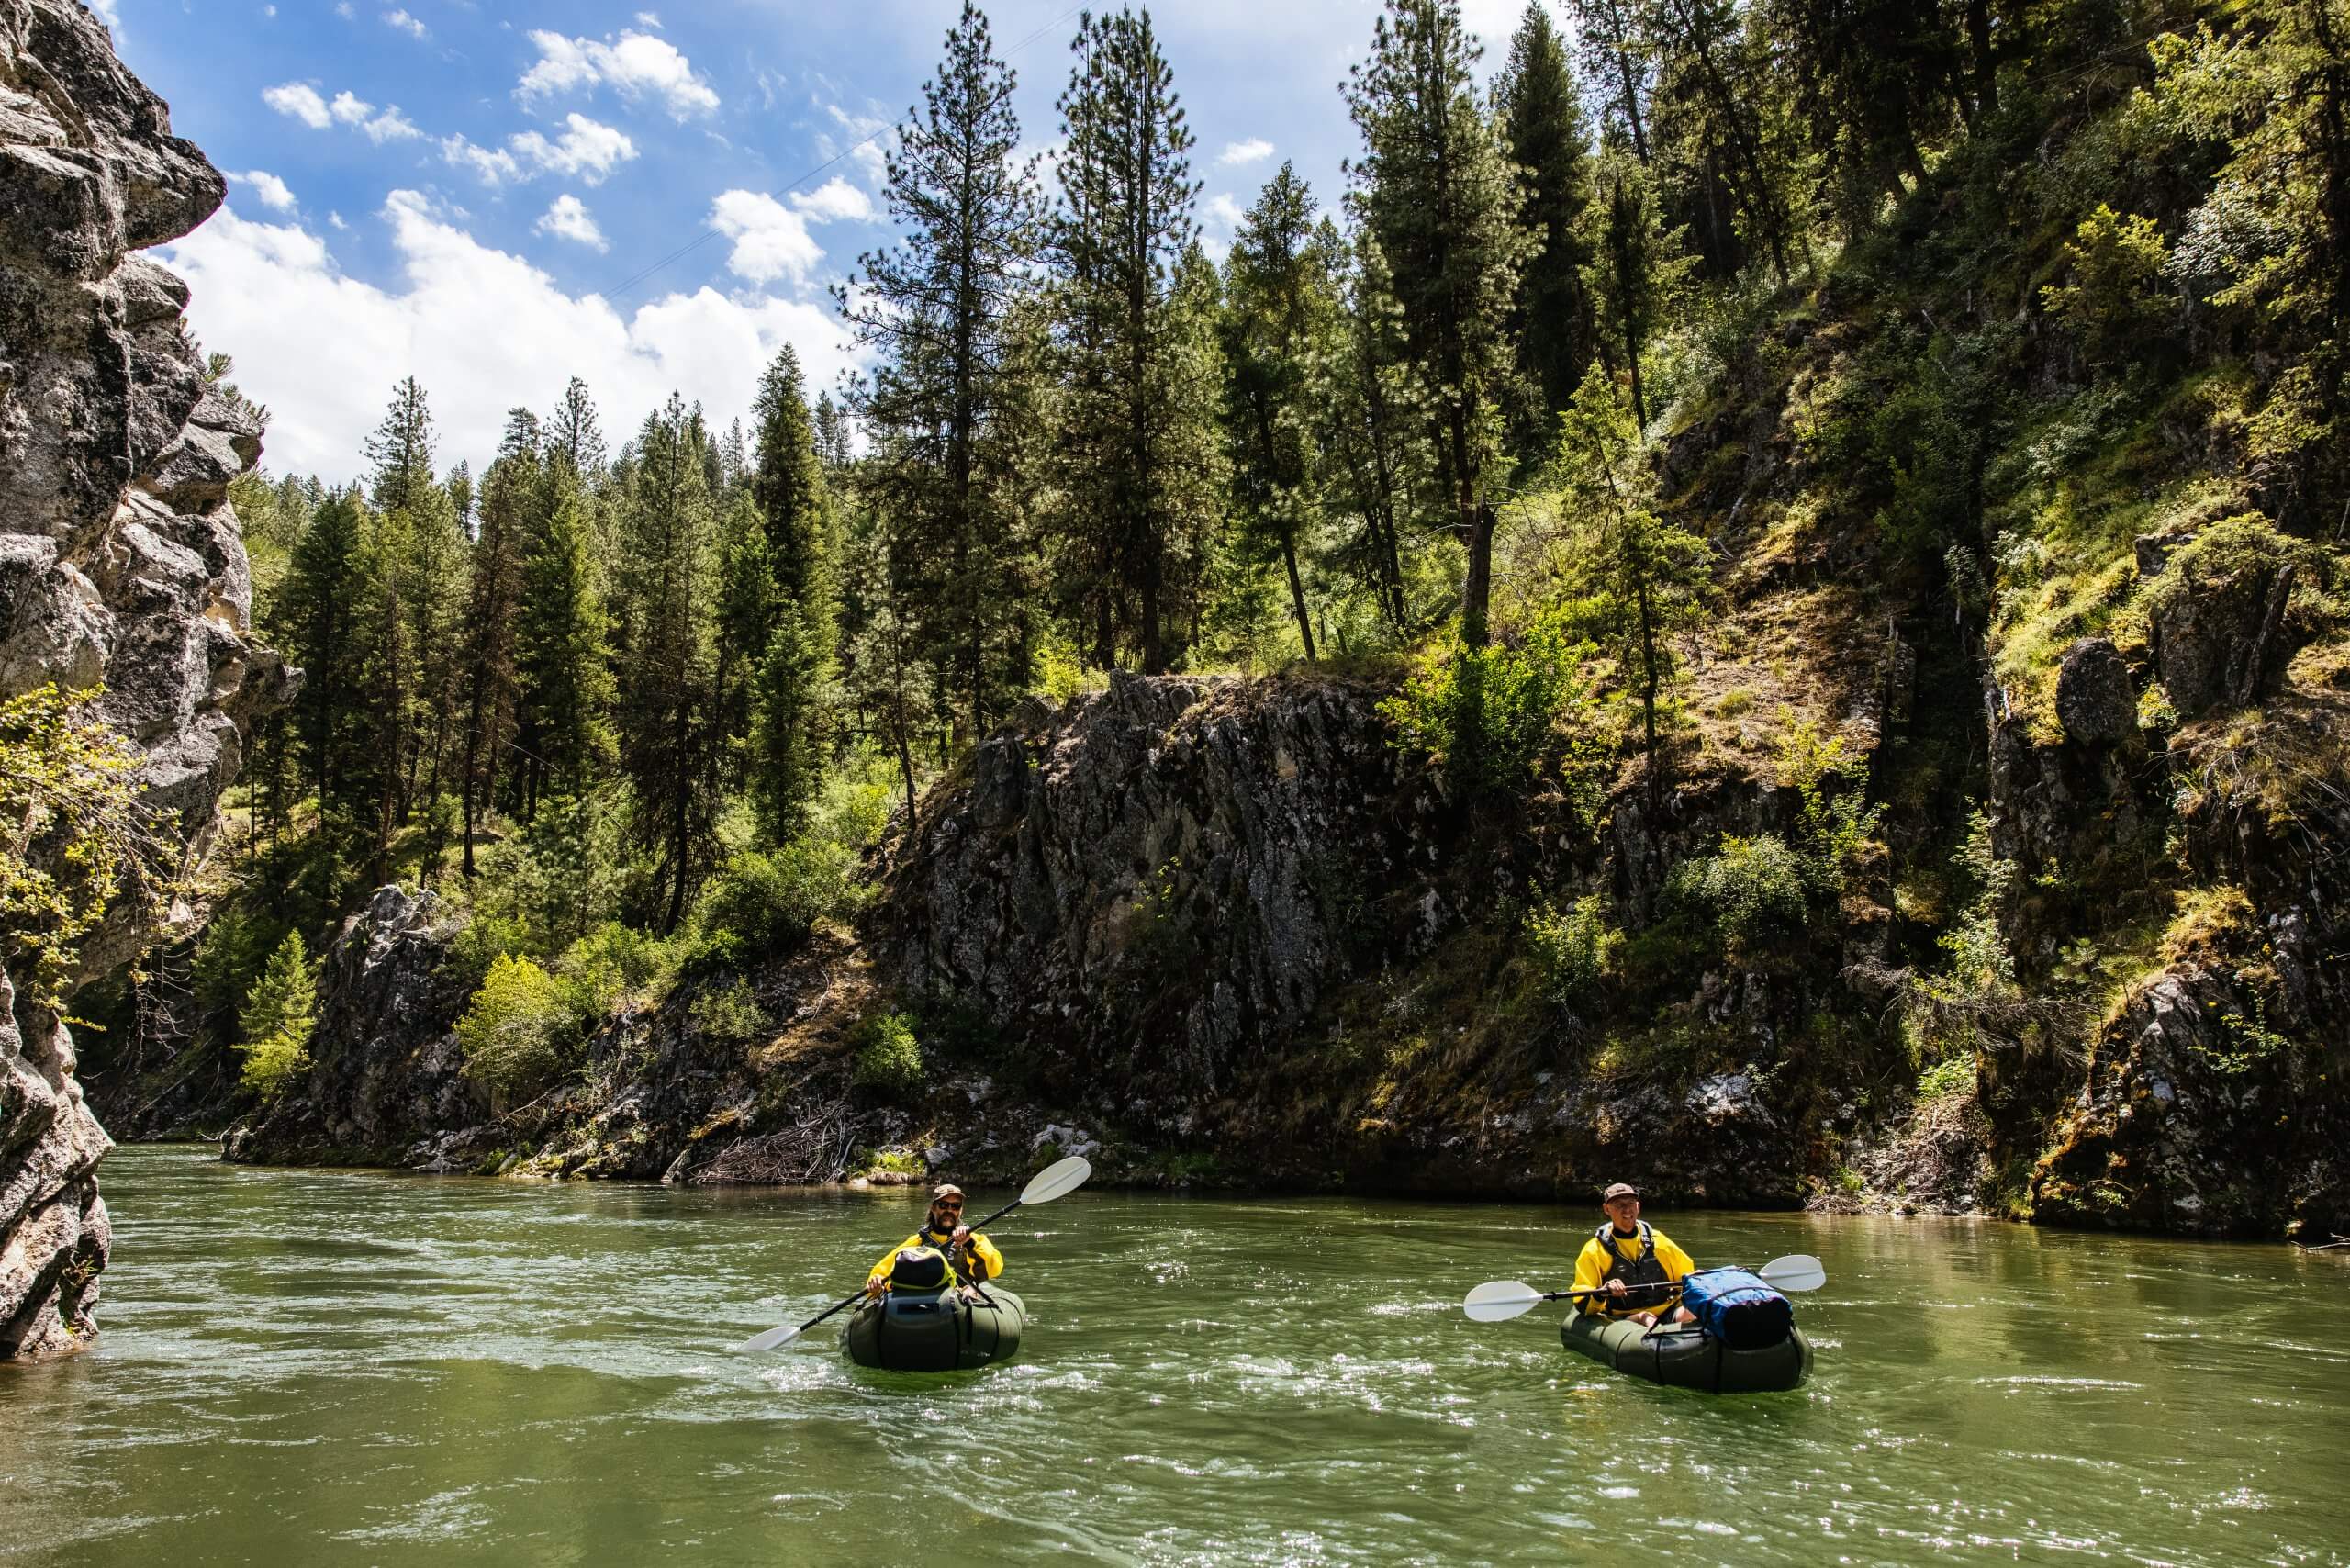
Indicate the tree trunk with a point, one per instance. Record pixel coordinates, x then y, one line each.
1297 591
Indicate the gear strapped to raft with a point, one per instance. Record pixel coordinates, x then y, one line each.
1739 1307
920 1270
1647 1287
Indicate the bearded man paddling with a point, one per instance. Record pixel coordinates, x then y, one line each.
1635 1264
973 1257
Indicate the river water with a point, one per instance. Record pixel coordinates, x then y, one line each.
309 1367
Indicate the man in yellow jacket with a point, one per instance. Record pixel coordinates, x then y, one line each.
1635 1264
973 1257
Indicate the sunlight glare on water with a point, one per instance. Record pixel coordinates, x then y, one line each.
352 1368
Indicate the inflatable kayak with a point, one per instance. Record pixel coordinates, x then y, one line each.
937 1331
1689 1357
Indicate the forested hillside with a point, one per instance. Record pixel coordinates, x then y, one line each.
1764 597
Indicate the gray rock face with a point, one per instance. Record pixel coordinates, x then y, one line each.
386 1068
2218 644
2095 699
1167 878
119 556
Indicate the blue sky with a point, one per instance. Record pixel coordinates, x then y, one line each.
475 194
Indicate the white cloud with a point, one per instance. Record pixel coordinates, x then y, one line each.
272 190
107 13
268 11
298 100
1224 210
635 66
771 240
407 24
347 11
568 218
588 150
482 330
835 199
336 219
491 165
649 19
870 143
1256 150
391 125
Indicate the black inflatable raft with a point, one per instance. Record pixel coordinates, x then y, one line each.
940 1331
1689 1357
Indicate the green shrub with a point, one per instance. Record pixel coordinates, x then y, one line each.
1572 950
1835 830
2116 266
1752 890
1953 1075
612 964
769 902
888 1058
481 940
730 1013
514 1030
1488 715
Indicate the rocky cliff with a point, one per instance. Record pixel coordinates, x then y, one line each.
120 563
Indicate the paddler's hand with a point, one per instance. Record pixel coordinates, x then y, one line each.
1616 1288
962 1234
875 1285
1645 1319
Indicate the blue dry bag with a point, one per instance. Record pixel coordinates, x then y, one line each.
1737 1308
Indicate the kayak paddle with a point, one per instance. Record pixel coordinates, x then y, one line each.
1056 1181
1498 1301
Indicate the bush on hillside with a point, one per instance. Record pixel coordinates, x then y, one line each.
888 1058
514 1031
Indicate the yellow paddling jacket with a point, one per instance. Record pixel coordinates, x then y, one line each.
978 1262
1647 1258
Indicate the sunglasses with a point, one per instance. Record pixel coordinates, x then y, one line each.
949 1204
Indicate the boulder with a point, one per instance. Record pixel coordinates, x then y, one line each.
2096 702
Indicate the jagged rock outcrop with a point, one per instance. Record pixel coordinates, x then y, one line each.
120 561
386 1071
1173 877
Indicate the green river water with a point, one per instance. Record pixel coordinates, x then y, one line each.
309 1367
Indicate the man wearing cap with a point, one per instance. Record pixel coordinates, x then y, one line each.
973 1257
1635 1264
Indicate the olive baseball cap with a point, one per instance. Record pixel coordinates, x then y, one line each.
1619 1190
944 1190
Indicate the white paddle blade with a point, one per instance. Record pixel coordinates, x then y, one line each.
1498 1301
1057 1180
774 1339
1796 1272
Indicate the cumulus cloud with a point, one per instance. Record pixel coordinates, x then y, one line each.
832 200
1256 150
635 66
482 330
869 144
352 109
585 150
407 24
568 218
491 165
298 100
272 190
1226 210
771 240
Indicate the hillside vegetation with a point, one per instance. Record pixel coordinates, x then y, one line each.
1804 544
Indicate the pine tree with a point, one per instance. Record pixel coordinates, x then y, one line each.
746 611
1614 57
1435 194
401 450
1542 123
667 679
1125 225
564 672
832 435
1650 574
1636 271
934 308
1280 310
573 434
787 738
491 681
278 1019
319 609
1371 456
